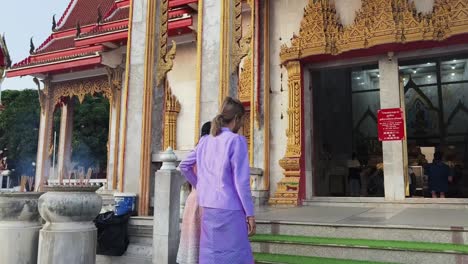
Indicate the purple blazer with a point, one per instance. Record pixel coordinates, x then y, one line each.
223 180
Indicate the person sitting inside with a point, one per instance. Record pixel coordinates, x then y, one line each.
439 175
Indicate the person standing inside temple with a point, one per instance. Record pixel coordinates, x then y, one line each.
223 187
189 245
439 175
354 175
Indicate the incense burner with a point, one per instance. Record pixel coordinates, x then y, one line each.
66 205
19 227
69 212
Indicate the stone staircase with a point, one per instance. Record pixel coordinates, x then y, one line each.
292 243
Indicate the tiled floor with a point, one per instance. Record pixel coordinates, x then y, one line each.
397 216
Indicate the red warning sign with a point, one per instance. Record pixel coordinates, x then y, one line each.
391 124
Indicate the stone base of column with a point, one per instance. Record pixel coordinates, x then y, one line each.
260 198
18 244
59 247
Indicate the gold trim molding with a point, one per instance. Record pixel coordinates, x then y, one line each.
378 22
171 112
163 60
123 139
287 192
81 88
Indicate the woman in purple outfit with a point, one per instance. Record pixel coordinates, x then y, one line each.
223 187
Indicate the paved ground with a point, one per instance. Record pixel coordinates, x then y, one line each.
398 216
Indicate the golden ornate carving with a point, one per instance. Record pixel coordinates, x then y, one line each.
378 22
114 77
42 94
288 188
171 112
166 62
240 49
245 80
81 88
166 59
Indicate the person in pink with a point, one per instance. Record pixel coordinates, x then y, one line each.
189 245
223 187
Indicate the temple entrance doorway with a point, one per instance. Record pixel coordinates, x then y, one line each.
346 153
436 101
81 128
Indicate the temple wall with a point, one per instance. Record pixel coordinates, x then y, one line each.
183 82
285 18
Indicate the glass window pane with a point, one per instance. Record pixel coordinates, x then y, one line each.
455 107
422 117
421 74
365 80
454 70
365 107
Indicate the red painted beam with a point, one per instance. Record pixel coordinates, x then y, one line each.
180 23
176 27
53 67
176 3
66 53
179 12
123 3
105 37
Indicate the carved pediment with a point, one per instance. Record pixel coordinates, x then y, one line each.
377 22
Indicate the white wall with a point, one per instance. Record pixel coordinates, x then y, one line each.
183 82
285 18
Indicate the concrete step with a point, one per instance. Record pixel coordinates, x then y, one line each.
380 202
457 235
362 250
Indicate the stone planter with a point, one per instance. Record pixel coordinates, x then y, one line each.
19 227
69 235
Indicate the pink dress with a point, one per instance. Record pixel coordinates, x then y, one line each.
190 232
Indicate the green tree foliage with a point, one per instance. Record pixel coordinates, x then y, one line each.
19 127
90 132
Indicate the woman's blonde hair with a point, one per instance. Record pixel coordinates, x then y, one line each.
232 109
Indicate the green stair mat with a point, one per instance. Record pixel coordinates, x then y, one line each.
288 259
365 243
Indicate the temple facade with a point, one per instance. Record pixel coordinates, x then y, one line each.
314 75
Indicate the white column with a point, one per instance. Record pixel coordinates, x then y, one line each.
45 135
210 59
113 151
65 140
392 150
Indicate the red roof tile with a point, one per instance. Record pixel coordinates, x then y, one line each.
83 11
62 43
57 44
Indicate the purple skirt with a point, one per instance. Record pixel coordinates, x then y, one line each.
224 238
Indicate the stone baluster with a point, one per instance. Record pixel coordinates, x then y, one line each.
168 183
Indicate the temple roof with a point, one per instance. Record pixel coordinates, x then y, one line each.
4 55
86 29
